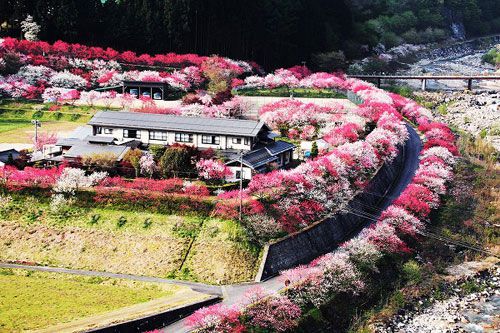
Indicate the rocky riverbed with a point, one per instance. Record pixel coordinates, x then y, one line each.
476 112
471 305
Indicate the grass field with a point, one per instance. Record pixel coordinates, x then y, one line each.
34 300
16 116
146 244
22 131
285 92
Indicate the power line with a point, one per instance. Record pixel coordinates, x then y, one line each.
435 236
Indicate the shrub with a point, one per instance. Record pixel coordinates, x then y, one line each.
412 272
95 218
147 223
121 221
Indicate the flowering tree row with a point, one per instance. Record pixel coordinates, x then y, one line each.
308 121
33 66
295 77
342 271
40 50
284 201
52 178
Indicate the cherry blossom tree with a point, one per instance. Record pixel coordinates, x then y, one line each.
148 165
44 139
217 318
68 80
72 180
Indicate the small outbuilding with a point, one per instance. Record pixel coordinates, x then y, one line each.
155 90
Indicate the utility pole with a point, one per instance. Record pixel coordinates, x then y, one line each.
37 124
241 185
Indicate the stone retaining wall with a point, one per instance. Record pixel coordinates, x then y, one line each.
326 235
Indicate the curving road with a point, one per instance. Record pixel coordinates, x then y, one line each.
411 152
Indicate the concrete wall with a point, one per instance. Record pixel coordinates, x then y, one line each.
157 321
326 235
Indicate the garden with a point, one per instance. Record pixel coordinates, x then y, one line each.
66 297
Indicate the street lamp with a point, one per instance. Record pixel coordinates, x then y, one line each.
241 184
37 124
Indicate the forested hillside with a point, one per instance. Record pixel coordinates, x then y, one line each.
271 32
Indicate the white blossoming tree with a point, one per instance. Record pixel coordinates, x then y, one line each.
147 164
30 28
71 180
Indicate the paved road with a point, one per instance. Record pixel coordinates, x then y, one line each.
232 293
199 287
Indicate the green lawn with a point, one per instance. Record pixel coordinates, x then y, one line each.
285 92
34 300
16 116
7 125
18 130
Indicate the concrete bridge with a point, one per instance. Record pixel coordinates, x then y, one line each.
424 78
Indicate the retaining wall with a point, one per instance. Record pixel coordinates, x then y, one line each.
153 322
326 235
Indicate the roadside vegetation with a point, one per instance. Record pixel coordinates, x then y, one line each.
32 300
469 214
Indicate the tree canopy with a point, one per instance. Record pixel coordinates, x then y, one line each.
272 32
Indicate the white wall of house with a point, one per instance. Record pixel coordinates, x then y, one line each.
217 142
247 173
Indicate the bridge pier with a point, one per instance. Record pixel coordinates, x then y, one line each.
379 82
469 84
424 84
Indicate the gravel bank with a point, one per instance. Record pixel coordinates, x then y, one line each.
462 311
476 112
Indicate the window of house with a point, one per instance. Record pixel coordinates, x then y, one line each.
210 139
132 134
237 141
287 157
98 130
238 174
108 131
246 141
183 137
158 135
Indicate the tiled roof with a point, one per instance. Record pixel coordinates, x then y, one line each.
264 155
85 149
224 126
279 147
99 139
